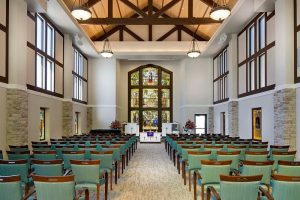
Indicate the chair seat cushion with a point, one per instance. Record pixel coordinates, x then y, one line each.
89 186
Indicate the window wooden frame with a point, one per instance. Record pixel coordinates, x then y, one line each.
5 29
255 57
43 134
222 76
140 108
46 56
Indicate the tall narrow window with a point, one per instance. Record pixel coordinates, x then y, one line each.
78 73
40 33
40 71
201 123
222 123
262 32
50 41
50 76
251 40
42 123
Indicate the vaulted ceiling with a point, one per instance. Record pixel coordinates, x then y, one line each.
151 20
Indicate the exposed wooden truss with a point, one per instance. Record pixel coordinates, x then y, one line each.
177 28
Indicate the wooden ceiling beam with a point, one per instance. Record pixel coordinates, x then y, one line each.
191 33
210 3
91 3
133 7
149 21
165 8
130 32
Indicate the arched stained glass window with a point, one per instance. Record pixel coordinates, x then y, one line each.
150 97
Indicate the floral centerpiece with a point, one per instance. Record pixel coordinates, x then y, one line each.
115 125
189 126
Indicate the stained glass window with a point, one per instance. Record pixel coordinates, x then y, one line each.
150 97
42 123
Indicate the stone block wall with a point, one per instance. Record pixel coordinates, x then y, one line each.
285 117
67 118
211 120
233 118
17 117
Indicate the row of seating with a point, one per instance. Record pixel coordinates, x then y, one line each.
82 165
225 163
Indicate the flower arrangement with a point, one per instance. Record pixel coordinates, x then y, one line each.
115 125
189 125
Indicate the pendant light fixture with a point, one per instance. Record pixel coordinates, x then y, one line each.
194 52
80 11
106 51
220 11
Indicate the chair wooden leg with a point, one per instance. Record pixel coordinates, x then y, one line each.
119 170
202 191
98 192
111 179
195 186
27 187
86 194
184 172
127 158
174 157
116 172
182 169
189 180
106 186
123 163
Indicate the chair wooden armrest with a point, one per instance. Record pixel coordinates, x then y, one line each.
235 172
211 189
266 193
28 195
197 173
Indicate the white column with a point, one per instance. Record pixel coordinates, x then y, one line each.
284 38
232 67
68 67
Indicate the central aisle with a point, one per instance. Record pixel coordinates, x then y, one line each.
150 176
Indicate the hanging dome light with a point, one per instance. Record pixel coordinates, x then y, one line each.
106 51
221 11
194 52
81 12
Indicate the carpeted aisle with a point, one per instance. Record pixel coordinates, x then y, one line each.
150 176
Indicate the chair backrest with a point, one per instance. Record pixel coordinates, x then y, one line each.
47 167
18 148
185 149
15 167
213 150
55 187
72 155
234 156
282 148
258 148
283 156
43 147
39 143
256 156
87 149
259 143
86 171
10 187
1 155
211 170
105 157
18 155
286 187
195 156
45 155
288 168
239 187
252 168
241 148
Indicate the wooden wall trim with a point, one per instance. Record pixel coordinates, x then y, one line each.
41 90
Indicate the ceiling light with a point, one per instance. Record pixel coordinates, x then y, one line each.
221 11
106 51
81 12
194 52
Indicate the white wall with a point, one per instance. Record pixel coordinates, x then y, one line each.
265 101
223 107
82 124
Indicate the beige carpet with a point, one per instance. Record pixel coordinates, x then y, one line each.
150 176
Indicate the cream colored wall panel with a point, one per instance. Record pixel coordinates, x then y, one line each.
30 30
160 30
271 30
215 91
140 30
128 37
84 97
59 47
185 36
85 68
215 68
172 37
242 79
114 37
2 54
271 66
242 47
30 66
3 12
58 79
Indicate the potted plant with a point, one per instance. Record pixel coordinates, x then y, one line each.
189 126
116 125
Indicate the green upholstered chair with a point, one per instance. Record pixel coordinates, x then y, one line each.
1 155
16 167
210 175
286 187
253 168
18 148
288 168
19 155
256 155
241 148
41 143
194 162
60 148
259 143
234 156
39 147
283 156
87 149
10 188
281 148
259 148
45 155
47 167
238 188
106 162
72 155
213 149
184 157
54 187
87 175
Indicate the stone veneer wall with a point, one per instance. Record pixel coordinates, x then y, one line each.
285 117
211 120
17 117
67 118
89 118
233 118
